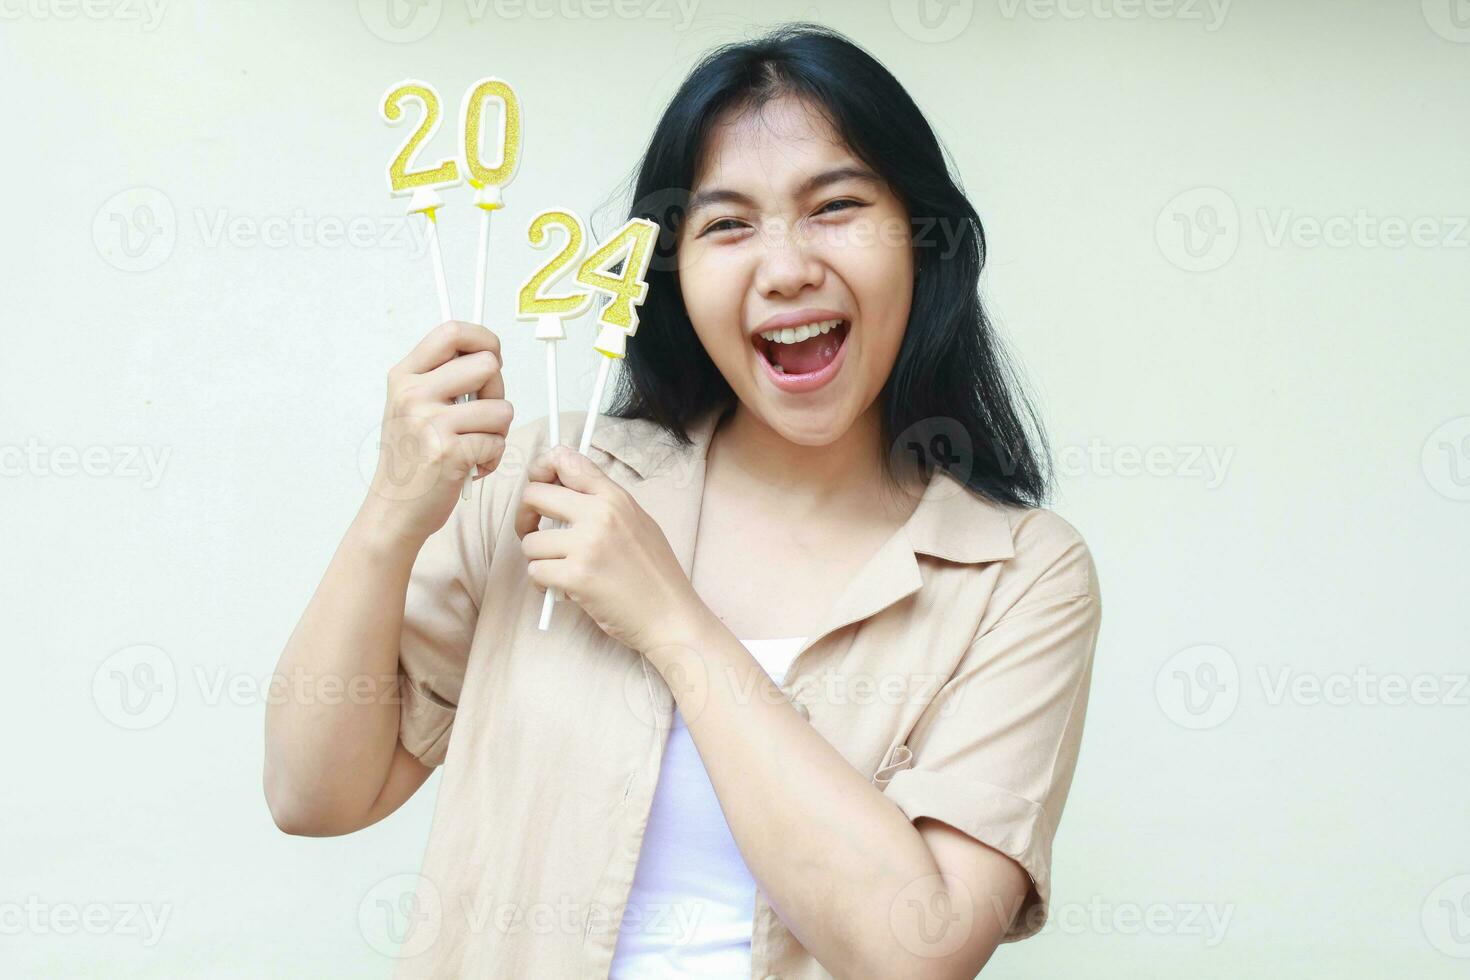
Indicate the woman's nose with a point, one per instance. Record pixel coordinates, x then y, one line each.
788 263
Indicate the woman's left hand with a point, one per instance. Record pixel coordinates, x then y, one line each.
611 558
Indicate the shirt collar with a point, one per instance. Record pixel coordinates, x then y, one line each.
950 522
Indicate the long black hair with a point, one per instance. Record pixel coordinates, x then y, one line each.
951 399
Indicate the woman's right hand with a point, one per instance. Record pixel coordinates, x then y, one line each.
429 442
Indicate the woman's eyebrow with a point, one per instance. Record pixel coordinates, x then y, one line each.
721 195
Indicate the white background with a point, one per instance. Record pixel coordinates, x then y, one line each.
1218 827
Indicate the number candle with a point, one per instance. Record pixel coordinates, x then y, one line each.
423 184
617 321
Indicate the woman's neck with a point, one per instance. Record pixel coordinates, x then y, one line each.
842 477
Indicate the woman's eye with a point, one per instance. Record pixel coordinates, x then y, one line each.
724 224
832 206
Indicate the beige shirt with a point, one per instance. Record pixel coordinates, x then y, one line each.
953 671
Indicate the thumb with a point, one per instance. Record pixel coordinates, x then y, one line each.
575 470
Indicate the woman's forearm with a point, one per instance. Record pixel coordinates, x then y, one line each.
331 726
828 849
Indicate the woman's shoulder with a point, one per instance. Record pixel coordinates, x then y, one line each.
1051 557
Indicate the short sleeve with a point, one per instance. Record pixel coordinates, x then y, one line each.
440 611
993 755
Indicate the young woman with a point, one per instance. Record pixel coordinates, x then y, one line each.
813 702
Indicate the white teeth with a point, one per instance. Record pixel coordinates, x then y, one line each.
795 335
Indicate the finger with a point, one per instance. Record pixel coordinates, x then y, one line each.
494 388
572 469
470 372
491 415
445 341
551 543
486 449
554 573
540 500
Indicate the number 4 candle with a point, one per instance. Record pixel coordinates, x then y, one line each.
617 321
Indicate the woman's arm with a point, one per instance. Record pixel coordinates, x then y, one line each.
872 882
333 758
333 764
838 861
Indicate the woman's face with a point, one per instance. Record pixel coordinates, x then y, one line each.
786 227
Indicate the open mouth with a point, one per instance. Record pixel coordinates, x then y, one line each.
805 350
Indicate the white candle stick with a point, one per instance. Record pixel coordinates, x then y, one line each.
550 312
618 321
590 423
446 308
421 183
486 180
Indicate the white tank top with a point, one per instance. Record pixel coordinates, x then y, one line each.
689 911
